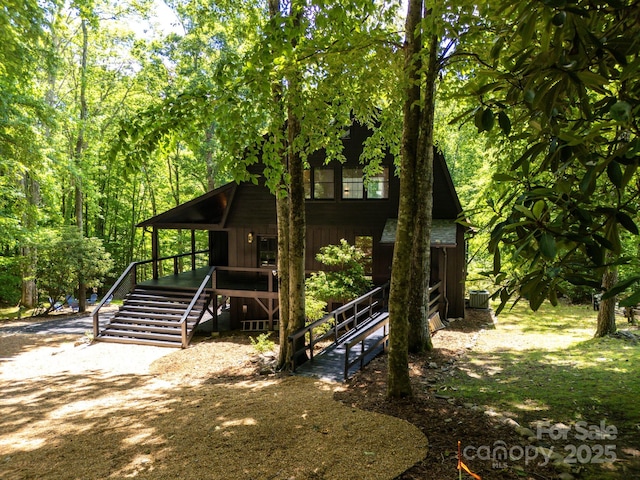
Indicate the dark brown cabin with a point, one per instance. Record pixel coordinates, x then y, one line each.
240 219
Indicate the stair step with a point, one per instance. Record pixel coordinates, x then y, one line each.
142 335
168 294
139 341
144 321
167 304
135 327
142 324
152 317
158 308
171 317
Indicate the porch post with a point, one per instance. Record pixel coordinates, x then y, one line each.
193 249
154 251
211 259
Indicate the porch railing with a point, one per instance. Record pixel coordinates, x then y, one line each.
171 265
437 300
245 279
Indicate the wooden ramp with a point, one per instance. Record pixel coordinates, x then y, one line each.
350 352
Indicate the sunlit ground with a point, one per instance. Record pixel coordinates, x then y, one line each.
546 366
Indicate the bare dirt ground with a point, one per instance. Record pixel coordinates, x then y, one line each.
69 410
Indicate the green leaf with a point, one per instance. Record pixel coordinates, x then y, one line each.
497 47
503 177
627 222
529 96
547 245
620 111
559 18
477 120
497 265
487 119
504 122
582 281
538 208
587 184
615 173
631 301
620 287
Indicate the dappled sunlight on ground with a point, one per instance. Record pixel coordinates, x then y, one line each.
119 411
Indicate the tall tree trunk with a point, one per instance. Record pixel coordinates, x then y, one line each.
79 151
398 382
607 313
29 254
419 334
283 218
291 208
297 231
282 208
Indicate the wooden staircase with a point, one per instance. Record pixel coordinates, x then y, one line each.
151 316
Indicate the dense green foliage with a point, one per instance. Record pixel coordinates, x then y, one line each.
344 278
63 256
561 83
151 119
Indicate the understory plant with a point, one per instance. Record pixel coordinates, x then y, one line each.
262 343
344 280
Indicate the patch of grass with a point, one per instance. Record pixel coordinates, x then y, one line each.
14 312
546 366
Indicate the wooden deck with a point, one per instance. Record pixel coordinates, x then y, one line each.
187 280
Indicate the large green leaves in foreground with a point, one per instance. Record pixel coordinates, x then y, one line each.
562 82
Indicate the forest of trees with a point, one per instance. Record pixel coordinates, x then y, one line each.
109 115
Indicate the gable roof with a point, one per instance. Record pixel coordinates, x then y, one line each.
208 211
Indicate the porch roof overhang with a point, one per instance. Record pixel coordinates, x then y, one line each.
206 212
443 232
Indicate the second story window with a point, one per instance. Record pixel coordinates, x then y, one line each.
319 183
378 185
354 185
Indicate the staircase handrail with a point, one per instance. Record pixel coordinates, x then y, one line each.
108 295
185 315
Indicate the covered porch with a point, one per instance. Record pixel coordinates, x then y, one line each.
227 285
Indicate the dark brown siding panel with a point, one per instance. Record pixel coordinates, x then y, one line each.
456 275
219 248
252 205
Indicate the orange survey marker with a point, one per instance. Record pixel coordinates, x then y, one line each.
462 466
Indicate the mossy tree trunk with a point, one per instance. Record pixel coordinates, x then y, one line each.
606 323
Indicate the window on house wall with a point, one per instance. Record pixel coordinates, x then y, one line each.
352 183
267 251
365 244
319 183
378 185
354 187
